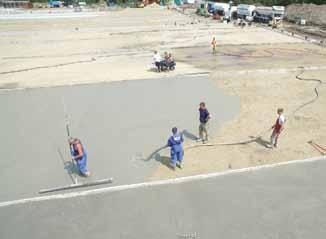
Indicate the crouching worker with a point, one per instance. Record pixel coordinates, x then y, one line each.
79 155
175 144
171 62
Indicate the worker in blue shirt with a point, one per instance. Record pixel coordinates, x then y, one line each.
204 117
175 144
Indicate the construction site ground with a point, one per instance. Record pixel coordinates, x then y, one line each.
255 64
283 202
99 67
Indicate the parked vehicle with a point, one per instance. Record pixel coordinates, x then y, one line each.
189 1
279 12
267 14
245 11
202 10
224 10
211 7
55 3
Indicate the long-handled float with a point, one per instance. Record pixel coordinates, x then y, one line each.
75 184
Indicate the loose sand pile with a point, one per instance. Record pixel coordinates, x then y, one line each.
314 14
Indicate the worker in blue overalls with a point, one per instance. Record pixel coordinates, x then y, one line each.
175 144
79 155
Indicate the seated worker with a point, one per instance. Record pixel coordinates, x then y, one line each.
175 144
165 63
79 155
157 61
171 62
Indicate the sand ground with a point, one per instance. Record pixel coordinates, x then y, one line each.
264 77
255 64
260 96
101 49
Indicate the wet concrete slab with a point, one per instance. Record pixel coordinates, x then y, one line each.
279 202
119 123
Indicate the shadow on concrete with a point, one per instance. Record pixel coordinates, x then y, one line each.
189 135
154 153
69 166
164 160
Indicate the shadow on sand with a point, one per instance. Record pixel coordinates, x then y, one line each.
164 160
261 141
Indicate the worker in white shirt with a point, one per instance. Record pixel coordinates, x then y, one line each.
157 61
277 128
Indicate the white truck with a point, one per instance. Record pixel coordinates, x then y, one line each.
223 9
245 11
266 14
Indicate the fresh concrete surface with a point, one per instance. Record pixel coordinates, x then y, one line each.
119 123
284 202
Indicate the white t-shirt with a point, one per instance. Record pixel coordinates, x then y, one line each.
281 120
157 57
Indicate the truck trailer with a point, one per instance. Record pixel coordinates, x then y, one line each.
267 14
245 11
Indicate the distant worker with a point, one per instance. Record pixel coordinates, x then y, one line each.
204 117
277 128
166 56
171 62
175 144
79 155
165 61
158 61
242 23
214 44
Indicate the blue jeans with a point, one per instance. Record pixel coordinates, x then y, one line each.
176 156
82 164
